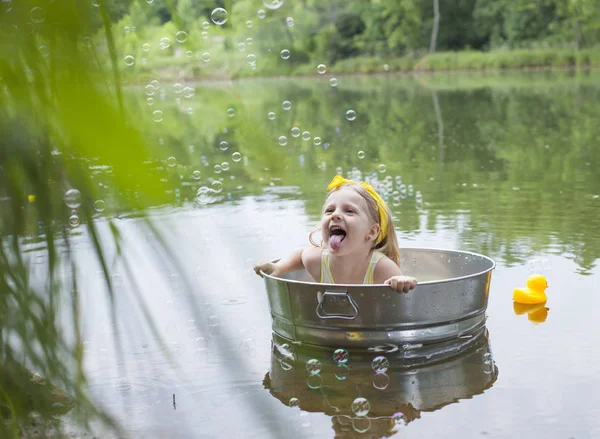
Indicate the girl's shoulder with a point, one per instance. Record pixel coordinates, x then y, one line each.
312 254
385 269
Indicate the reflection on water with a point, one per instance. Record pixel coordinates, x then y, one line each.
367 400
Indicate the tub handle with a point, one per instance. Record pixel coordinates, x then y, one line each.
335 295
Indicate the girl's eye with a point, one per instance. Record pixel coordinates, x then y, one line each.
328 210
350 210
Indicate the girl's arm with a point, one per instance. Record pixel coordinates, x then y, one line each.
292 262
387 272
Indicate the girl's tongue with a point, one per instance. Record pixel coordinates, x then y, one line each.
335 241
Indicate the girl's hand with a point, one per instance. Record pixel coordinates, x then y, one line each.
401 284
265 267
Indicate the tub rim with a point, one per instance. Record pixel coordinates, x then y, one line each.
429 282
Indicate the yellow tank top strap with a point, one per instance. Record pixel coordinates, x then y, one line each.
369 275
326 276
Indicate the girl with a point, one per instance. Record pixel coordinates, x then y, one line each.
359 243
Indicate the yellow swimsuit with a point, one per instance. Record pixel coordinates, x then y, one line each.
327 277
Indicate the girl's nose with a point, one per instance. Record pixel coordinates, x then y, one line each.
337 214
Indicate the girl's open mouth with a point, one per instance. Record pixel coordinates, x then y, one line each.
336 236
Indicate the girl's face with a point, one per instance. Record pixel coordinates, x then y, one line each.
346 224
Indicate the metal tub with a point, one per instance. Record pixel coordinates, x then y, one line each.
449 302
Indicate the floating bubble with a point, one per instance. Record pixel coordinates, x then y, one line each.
150 101
286 364
290 21
204 35
285 54
361 154
261 13
149 90
241 47
216 186
361 425
37 14
44 51
317 141
271 115
282 140
99 205
286 105
381 169
225 166
223 145
341 356
305 135
313 366
333 82
236 157
314 381
273 4
72 198
248 24
206 57
380 364
165 43
181 36
189 53
157 116
230 112
381 381
351 115
171 161
219 16
295 132
294 402
188 92
196 175
251 59
321 69
177 87
204 196
399 418
249 41
205 25
129 60
146 47
74 221
342 372
361 407
217 169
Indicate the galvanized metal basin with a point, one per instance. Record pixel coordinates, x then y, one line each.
449 302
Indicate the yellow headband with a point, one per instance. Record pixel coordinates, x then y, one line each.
338 181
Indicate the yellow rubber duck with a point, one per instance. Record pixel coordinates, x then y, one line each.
534 292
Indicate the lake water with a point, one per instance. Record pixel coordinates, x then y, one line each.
507 166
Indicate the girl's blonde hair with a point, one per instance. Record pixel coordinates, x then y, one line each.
388 245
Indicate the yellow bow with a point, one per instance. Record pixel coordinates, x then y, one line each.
338 181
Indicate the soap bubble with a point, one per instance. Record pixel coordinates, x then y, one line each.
314 381
317 141
271 115
37 14
295 132
251 59
99 205
249 41
171 161
216 186
177 87
381 169
157 116
146 47
381 381
305 135
74 221
341 356
241 47
321 69
231 112
290 21
217 169
361 407
313 366
205 25
204 35
380 364
206 57
361 154
129 60
189 53
72 198
351 115
399 418
149 90
342 372
261 13
236 157
219 16
223 145
181 36
361 424
333 82
225 166
188 92
164 43
282 140
294 402
248 24
273 4
286 105
285 54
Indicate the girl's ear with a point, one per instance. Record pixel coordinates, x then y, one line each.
374 232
